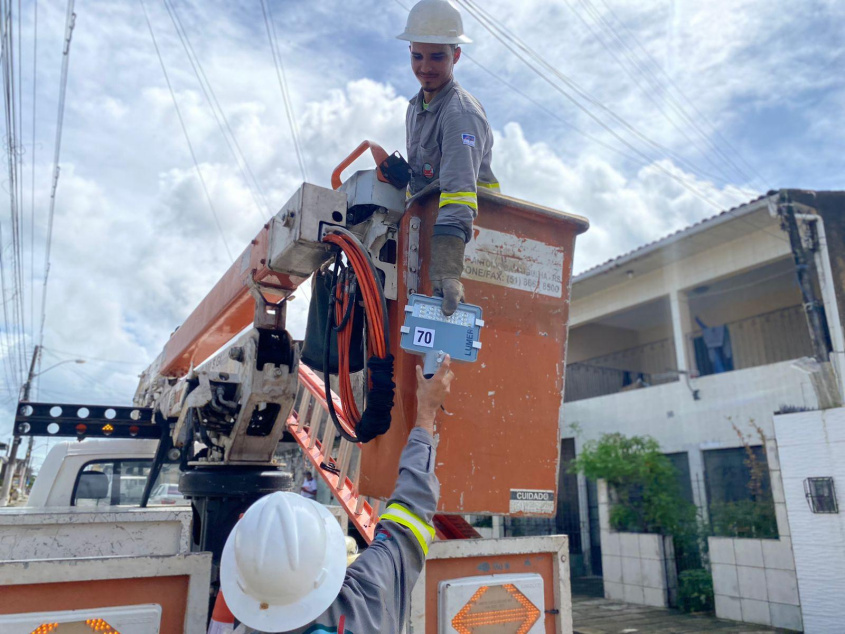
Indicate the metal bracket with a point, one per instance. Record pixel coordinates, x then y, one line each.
412 277
268 316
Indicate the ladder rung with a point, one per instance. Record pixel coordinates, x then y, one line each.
302 412
308 434
327 443
345 456
316 420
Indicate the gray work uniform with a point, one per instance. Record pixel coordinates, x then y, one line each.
376 592
450 143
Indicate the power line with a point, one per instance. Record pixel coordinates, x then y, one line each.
280 74
12 124
70 22
509 40
214 104
715 131
32 186
60 353
647 91
11 152
185 131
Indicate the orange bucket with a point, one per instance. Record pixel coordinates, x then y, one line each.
499 445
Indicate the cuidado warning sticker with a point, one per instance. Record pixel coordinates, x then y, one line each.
520 263
532 501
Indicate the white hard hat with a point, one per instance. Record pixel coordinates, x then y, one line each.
283 563
434 22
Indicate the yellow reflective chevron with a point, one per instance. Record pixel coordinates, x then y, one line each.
470 199
401 515
493 186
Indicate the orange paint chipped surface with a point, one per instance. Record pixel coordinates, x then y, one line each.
501 432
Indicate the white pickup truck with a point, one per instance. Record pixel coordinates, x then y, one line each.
103 473
81 552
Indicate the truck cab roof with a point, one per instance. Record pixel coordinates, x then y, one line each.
66 458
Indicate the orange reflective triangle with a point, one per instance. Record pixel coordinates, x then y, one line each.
496 610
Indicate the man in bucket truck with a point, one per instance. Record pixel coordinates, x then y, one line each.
450 143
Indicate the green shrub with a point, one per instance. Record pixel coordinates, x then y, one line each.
642 483
695 591
745 518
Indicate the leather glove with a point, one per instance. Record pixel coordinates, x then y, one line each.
445 267
452 292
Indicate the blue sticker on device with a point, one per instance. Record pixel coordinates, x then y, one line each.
468 139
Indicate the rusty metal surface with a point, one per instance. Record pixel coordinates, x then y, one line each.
502 431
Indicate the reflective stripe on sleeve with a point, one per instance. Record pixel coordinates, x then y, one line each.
493 186
470 199
407 518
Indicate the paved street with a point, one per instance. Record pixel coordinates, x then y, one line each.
593 615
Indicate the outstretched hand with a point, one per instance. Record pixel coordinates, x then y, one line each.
432 392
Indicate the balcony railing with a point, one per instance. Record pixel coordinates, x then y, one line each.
779 335
642 366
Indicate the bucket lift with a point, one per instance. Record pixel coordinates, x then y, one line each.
240 394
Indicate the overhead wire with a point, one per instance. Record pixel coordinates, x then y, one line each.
646 69
14 329
32 162
8 353
70 21
185 131
648 91
504 40
510 40
63 353
19 182
691 104
512 43
280 74
222 121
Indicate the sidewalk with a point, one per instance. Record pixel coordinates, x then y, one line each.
592 615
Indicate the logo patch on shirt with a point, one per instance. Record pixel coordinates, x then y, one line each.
428 170
468 139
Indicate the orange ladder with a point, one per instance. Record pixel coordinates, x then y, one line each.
337 459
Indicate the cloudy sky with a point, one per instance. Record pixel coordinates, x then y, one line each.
686 108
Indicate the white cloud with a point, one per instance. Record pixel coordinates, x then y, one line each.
136 248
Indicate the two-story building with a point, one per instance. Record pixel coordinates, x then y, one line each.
685 339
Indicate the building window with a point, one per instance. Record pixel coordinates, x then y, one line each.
739 494
680 461
821 495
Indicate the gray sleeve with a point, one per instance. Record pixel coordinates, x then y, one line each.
465 137
377 589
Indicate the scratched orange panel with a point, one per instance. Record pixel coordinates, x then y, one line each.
503 432
171 593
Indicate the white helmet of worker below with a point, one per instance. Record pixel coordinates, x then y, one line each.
434 22
283 564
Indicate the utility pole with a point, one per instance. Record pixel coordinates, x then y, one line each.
25 396
9 472
824 381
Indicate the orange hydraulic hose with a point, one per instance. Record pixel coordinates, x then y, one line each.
371 295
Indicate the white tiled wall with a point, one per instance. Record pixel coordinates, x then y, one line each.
812 444
754 580
634 564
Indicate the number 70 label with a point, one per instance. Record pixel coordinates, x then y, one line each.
424 337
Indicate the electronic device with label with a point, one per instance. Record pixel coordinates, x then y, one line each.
430 333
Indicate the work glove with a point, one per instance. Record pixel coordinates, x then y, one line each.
445 266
